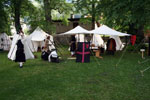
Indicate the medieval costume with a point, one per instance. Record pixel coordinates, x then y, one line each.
44 55
111 46
53 57
20 55
46 46
20 50
73 45
45 50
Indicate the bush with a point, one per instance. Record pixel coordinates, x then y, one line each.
136 47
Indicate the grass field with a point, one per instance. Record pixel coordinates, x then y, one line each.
100 79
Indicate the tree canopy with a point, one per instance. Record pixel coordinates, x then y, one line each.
88 7
131 16
128 15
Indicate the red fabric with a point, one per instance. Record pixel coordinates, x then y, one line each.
83 53
87 46
133 39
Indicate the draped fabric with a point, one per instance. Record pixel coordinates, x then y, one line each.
13 49
111 46
83 52
133 39
44 55
20 55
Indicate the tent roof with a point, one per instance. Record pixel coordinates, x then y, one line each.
105 30
38 34
4 35
77 30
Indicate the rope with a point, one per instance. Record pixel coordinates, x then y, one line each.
126 50
139 45
95 57
122 55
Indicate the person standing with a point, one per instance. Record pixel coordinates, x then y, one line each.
20 51
73 45
20 55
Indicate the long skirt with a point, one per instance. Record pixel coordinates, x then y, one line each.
20 56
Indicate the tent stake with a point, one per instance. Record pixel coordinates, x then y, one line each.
142 71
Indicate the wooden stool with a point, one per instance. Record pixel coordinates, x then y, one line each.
97 53
142 50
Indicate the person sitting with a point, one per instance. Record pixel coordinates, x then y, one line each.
111 46
44 54
46 46
53 56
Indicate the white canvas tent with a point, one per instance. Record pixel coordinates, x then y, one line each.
13 49
79 33
97 39
5 42
36 39
79 37
105 30
119 44
77 30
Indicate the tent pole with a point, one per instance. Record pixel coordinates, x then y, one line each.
78 37
126 40
149 46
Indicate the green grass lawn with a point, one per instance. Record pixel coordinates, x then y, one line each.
98 80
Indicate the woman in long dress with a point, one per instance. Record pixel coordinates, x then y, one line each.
20 51
20 55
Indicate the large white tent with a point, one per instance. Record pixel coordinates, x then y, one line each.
79 37
77 30
97 39
13 49
119 44
5 42
79 33
36 39
105 30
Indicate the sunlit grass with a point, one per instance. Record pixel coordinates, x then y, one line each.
100 79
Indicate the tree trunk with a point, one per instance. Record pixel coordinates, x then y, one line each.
48 17
149 46
132 29
17 7
140 34
93 14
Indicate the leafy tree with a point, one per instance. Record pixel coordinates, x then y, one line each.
129 15
49 5
89 7
13 11
4 18
16 8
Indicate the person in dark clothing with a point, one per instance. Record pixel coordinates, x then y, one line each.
111 46
20 55
73 45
